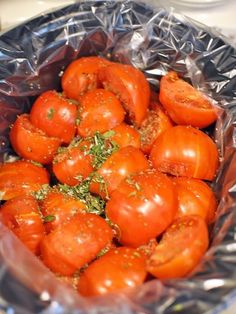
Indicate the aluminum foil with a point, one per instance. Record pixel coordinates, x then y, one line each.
155 39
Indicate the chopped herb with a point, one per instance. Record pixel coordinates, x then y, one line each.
101 148
61 149
77 121
103 251
50 113
42 193
38 164
49 218
109 134
134 193
97 178
94 204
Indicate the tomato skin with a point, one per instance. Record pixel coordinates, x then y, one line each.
126 161
20 177
185 104
75 243
73 164
195 197
60 207
131 87
120 268
100 110
152 126
54 115
81 76
185 151
21 215
147 201
32 143
126 135
181 248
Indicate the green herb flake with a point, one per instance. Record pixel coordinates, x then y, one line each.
103 251
42 193
131 194
109 134
50 113
49 218
38 164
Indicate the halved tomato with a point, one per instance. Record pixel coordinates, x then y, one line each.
75 243
100 110
120 268
125 135
130 86
181 248
185 151
31 143
81 76
55 115
185 104
21 177
21 214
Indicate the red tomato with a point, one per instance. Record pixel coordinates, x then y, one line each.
58 208
32 143
20 177
195 197
75 243
54 115
185 151
155 124
101 111
120 268
147 202
181 248
130 86
126 161
21 215
73 164
126 135
81 76
185 104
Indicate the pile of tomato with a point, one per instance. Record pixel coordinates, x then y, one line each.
112 183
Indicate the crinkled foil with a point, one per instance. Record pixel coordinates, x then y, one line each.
154 39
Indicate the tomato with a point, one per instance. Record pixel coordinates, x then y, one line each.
152 126
195 197
126 135
126 161
73 244
130 86
73 164
101 111
58 208
32 143
185 151
120 268
20 177
81 76
181 248
147 202
185 104
54 115
21 215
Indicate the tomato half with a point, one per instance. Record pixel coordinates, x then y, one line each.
147 202
100 110
72 164
130 86
126 161
185 104
21 214
58 208
31 143
126 135
81 76
20 177
120 268
75 243
185 151
195 197
152 126
181 248
54 115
